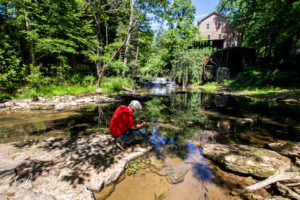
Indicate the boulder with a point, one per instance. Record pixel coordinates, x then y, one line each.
21 104
42 99
60 106
71 98
291 150
73 103
99 90
8 104
63 168
243 159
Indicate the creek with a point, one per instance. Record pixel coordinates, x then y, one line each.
178 123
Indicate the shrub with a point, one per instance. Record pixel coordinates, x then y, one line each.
115 84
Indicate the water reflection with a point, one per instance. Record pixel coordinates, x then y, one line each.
162 90
178 124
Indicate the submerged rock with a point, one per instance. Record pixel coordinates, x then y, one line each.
247 160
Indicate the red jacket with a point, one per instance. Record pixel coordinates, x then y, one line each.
121 121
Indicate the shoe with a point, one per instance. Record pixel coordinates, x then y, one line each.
118 144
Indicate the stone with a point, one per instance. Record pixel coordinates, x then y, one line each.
243 159
99 90
277 198
297 162
105 192
71 98
60 106
252 197
3 197
21 104
73 103
47 107
29 195
2 105
8 104
42 99
290 149
40 106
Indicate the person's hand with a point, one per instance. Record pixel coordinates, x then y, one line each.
144 123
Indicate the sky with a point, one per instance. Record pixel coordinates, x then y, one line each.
203 8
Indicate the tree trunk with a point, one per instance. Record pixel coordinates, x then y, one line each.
137 49
129 36
98 52
287 192
100 76
31 48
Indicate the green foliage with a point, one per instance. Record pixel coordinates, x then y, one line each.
11 71
133 166
189 65
253 78
271 27
54 90
211 84
175 53
116 84
34 79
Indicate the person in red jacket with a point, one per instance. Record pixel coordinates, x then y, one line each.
122 126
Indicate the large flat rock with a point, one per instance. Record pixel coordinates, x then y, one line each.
63 168
290 149
257 162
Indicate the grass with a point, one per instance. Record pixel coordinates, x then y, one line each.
211 87
110 85
113 85
259 83
54 90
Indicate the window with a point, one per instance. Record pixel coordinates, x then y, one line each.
234 34
207 26
220 36
219 25
208 37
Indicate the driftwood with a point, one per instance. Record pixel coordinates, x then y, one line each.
292 184
287 192
272 179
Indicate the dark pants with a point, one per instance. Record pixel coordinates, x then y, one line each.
131 136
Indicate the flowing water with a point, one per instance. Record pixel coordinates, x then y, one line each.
178 123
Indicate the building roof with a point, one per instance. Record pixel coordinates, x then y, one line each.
211 15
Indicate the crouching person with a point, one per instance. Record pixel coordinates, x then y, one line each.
122 126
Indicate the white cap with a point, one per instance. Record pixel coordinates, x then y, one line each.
135 104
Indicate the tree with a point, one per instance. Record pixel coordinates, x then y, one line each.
271 27
176 54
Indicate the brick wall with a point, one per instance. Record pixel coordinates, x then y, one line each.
218 25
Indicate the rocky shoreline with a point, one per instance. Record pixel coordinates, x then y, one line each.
59 169
275 164
55 103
